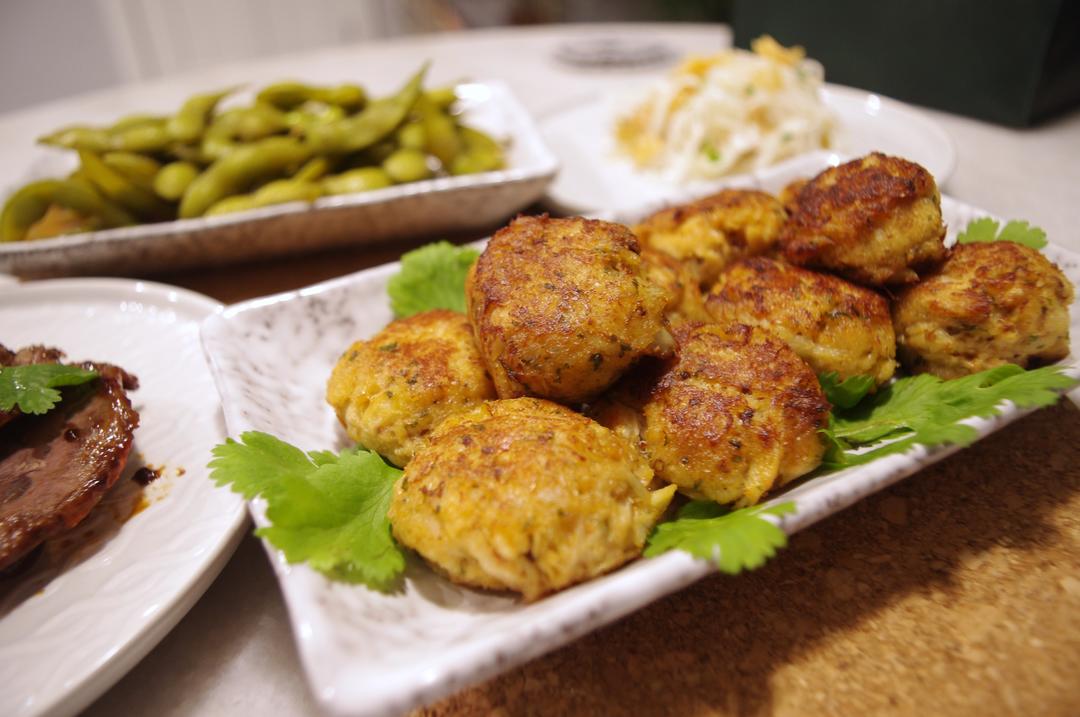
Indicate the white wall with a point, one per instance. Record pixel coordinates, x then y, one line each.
56 48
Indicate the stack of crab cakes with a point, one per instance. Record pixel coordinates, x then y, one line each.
598 369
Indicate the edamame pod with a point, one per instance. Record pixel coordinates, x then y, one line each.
29 204
375 122
407 165
188 124
137 168
91 139
245 167
357 180
116 187
173 180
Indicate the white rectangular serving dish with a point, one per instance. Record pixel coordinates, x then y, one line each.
430 207
368 653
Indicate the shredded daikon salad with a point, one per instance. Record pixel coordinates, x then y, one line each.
731 112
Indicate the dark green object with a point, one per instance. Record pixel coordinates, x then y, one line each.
1005 61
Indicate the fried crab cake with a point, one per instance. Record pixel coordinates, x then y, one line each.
684 299
391 390
829 323
525 495
736 413
561 307
710 233
989 304
874 220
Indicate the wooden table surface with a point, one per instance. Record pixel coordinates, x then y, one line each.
954 592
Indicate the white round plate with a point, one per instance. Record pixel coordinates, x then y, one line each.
595 178
65 641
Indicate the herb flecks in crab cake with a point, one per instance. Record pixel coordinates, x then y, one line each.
989 304
734 414
874 220
562 307
833 325
525 495
391 390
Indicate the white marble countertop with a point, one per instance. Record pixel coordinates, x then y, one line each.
234 653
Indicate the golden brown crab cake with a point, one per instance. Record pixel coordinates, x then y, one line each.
684 299
710 233
789 195
874 220
831 324
561 307
989 304
391 390
736 413
525 495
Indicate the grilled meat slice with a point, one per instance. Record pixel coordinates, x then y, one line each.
54 468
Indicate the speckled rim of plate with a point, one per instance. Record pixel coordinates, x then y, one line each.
535 169
146 598
372 654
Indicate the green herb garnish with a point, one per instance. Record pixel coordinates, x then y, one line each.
735 540
926 410
324 509
1016 231
846 393
33 388
431 277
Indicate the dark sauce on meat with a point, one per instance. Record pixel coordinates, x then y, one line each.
145 475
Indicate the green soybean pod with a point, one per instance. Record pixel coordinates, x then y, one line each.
441 97
313 170
231 205
30 202
173 180
285 95
188 124
91 139
287 190
407 165
412 135
143 139
357 180
373 123
242 169
137 168
348 97
113 185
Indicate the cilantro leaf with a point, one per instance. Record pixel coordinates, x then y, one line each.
926 410
846 393
431 277
33 387
1018 232
737 540
326 510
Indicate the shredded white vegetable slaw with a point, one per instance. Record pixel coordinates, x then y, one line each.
731 112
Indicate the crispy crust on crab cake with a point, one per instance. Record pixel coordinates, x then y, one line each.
989 304
874 220
831 324
710 233
525 495
684 299
562 307
391 390
736 413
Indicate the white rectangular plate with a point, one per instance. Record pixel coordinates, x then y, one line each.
368 653
446 204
